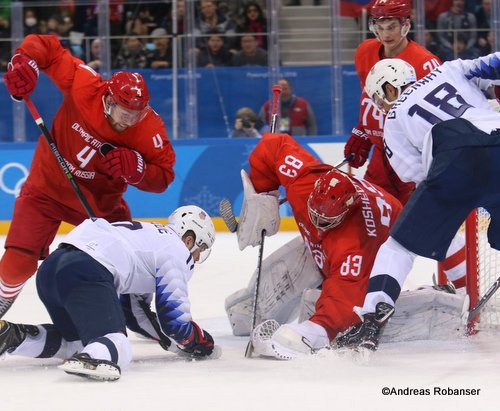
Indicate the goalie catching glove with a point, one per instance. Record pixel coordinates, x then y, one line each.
21 76
359 145
199 343
259 212
125 164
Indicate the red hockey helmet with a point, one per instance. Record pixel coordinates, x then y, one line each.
385 9
333 197
129 90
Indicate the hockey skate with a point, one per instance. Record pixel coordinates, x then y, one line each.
5 304
367 334
83 365
12 335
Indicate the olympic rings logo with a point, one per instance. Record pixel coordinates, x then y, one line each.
9 184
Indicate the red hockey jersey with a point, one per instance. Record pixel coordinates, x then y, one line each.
345 254
80 128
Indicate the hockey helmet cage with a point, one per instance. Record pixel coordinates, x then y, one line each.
396 72
333 197
194 218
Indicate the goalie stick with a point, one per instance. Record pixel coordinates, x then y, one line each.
52 144
226 209
274 122
484 299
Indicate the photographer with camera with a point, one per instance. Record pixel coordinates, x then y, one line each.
246 123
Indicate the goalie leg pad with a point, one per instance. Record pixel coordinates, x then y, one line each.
285 274
308 303
258 212
427 314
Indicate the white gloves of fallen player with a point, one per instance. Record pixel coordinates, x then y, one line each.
258 212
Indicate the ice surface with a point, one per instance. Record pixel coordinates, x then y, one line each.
158 380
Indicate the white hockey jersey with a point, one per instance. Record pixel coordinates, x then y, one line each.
452 90
144 258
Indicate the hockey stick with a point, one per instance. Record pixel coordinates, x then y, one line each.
274 122
226 209
484 299
52 144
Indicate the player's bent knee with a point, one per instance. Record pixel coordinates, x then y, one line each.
308 303
17 265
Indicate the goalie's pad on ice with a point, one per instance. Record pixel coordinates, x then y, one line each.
421 314
258 212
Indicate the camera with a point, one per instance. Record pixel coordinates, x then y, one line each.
245 122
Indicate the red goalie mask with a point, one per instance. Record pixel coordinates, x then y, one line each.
333 197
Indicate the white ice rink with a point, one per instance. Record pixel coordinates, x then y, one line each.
157 380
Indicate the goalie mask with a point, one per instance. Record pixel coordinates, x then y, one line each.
396 72
333 197
197 220
382 10
127 98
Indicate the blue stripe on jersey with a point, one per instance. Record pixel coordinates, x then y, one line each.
386 284
489 70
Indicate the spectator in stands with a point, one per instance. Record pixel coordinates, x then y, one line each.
483 18
30 21
461 51
254 21
94 59
486 46
453 21
211 20
132 54
181 11
246 123
433 8
141 22
296 115
161 56
250 54
216 52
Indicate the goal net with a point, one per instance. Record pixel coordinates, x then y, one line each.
483 268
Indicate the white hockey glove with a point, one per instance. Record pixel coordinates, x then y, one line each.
258 212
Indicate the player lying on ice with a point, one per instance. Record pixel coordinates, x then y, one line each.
342 221
81 281
442 134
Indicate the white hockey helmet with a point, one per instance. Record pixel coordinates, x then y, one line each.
396 72
196 219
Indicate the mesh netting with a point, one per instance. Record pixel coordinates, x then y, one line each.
488 271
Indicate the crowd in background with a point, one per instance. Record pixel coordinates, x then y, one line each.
228 33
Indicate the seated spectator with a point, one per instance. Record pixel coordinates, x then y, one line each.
296 115
140 22
94 60
161 56
483 18
453 21
132 54
461 51
246 123
30 21
254 21
215 54
486 45
250 54
211 20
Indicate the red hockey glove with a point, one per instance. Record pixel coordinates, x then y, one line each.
21 76
199 343
126 164
358 144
